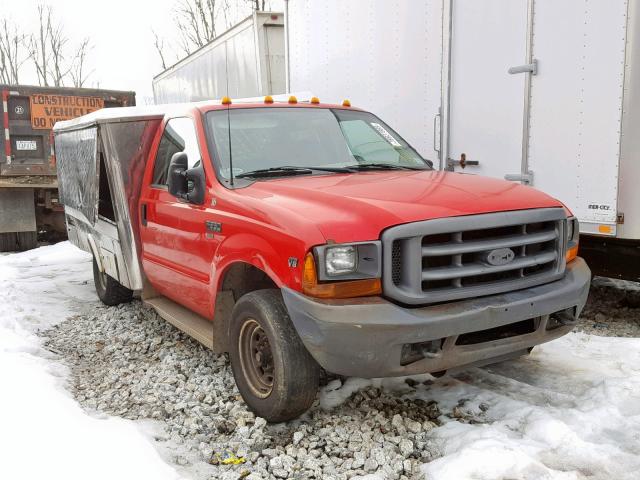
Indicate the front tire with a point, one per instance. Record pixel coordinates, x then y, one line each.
109 291
274 372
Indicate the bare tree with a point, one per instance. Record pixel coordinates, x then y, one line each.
258 4
196 21
39 46
49 50
59 66
158 43
77 71
12 56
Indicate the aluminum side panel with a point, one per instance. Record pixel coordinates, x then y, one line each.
384 56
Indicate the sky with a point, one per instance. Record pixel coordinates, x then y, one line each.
121 32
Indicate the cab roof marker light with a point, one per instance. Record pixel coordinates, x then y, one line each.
226 101
293 99
346 103
315 100
268 99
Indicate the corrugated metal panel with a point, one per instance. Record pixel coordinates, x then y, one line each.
76 154
230 65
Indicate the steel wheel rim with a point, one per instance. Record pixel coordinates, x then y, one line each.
256 358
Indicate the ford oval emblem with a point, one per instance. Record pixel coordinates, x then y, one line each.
500 256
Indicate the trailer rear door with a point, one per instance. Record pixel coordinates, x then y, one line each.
557 128
28 151
487 103
576 106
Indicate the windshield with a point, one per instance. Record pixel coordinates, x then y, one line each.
269 138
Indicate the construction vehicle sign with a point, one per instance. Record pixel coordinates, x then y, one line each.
46 110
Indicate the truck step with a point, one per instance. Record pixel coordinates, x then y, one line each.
197 327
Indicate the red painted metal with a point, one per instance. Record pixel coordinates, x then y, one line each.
270 221
5 122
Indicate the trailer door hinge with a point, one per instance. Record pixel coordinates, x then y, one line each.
620 218
526 178
531 68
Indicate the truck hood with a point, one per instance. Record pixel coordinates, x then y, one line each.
360 206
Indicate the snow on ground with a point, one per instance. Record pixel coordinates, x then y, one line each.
43 432
569 411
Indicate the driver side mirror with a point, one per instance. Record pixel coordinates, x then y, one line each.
185 183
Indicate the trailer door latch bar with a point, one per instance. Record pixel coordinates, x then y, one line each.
463 162
528 68
526 178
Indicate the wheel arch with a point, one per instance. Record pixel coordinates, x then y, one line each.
235 280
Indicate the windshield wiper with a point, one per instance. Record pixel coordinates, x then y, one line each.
276 172
381 166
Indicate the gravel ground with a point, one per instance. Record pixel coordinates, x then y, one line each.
128 362
613 309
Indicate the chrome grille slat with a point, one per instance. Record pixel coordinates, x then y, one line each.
447 259
452 248
478 268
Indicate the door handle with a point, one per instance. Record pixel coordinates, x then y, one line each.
527 68
143 214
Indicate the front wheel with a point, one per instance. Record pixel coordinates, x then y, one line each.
108 289
274 372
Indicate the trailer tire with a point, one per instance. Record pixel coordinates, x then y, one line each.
274 372
109 291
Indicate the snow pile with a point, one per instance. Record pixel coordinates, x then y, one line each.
44 433
569 411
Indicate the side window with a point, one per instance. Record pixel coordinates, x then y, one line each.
179 136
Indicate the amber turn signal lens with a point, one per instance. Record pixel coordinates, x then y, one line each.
572 253
345 289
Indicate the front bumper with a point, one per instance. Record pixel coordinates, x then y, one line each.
365 337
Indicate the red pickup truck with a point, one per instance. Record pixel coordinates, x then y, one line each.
301 236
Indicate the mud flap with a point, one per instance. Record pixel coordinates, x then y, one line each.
17 219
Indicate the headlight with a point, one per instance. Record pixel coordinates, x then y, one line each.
351 261
340 260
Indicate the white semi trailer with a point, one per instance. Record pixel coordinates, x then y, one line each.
536 91
245 61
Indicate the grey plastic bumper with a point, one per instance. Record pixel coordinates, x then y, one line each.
364 337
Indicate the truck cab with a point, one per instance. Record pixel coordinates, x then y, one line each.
301 236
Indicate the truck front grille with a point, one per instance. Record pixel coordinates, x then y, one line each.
462 257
